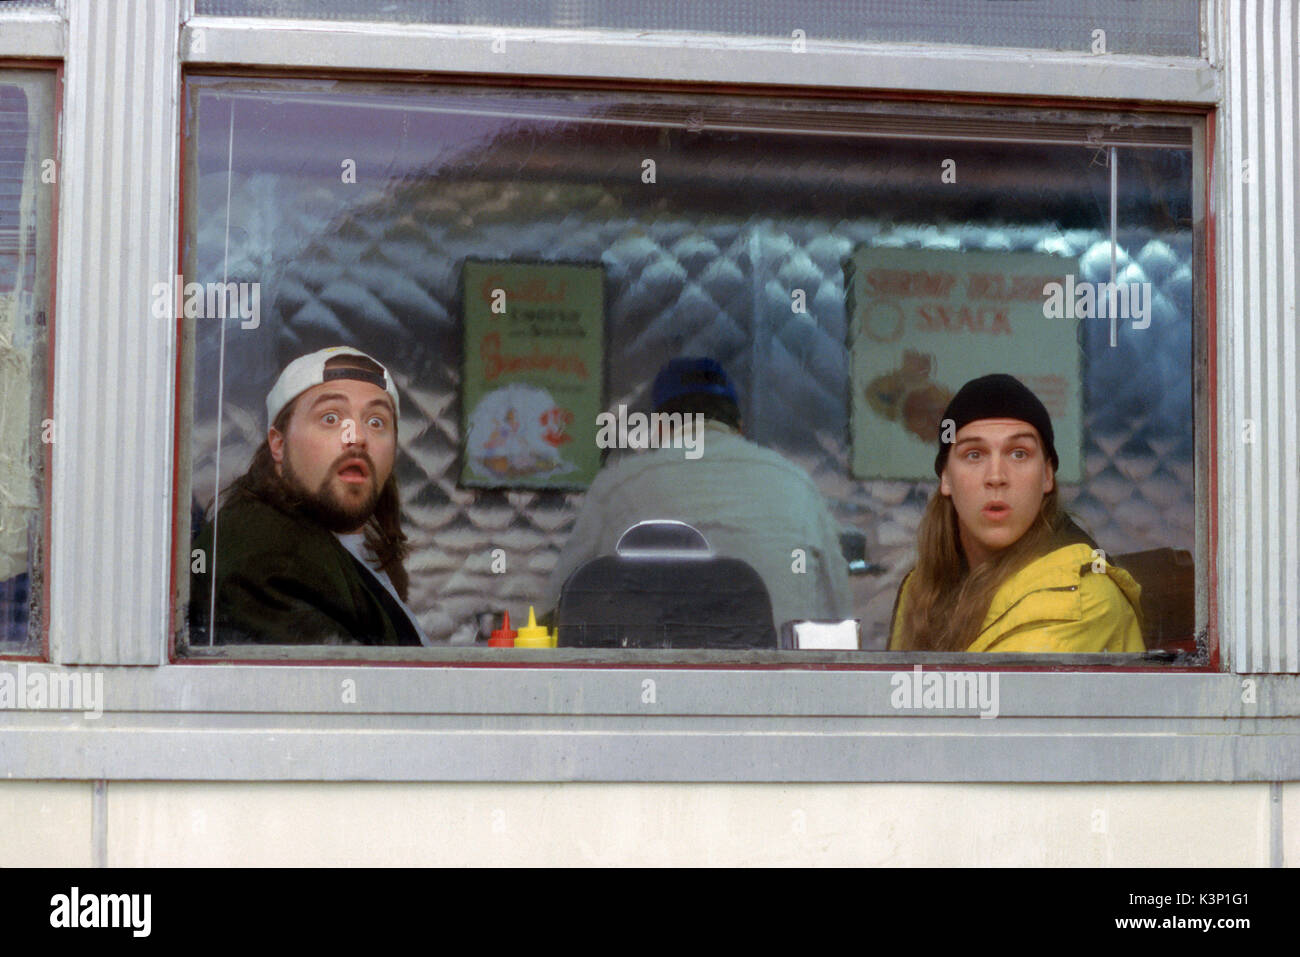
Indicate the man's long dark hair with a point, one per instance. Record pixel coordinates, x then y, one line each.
383 531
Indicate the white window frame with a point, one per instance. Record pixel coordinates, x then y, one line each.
112 547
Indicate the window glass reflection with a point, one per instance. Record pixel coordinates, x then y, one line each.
27 183
761 235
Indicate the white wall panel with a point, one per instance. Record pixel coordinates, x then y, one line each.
673 825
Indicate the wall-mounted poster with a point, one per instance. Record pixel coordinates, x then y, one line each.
534 374
925 322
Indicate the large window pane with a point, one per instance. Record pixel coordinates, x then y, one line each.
357 208
27 184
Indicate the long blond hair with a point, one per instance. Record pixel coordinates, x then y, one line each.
947 600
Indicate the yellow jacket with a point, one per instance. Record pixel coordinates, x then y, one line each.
1056 603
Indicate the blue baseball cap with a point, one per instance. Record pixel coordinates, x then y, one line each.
692 376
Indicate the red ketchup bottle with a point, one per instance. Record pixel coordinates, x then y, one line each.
503 637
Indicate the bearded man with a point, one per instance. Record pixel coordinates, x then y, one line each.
307 545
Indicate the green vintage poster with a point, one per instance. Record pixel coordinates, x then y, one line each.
534 374
925 322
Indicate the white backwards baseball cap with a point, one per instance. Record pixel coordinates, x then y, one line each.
309 370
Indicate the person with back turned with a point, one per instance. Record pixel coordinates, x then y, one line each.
748 501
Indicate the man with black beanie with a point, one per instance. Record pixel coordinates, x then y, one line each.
1000 567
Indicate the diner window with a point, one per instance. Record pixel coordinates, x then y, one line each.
27 184
527 283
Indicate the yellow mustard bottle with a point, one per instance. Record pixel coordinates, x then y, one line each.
532 635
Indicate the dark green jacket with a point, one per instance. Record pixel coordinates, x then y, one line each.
284 580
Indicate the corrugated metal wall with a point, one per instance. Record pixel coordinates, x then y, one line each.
117 217
1259 441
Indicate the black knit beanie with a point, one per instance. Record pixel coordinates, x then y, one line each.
997 396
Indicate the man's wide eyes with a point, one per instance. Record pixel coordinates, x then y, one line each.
333 418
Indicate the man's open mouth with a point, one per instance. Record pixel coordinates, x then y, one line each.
354 471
